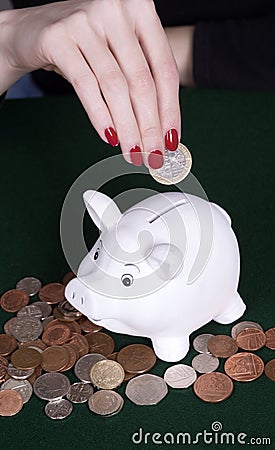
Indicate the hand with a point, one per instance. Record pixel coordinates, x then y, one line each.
116 55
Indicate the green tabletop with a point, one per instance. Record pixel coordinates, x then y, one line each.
45 145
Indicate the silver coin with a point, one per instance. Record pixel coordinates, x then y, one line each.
146 389
180 376
205 363
80 392
82 368
47 320
44 307
30 311
176 166
8 324
59 409
51 386
24 388
236 329
30 285
68 310
105 402
200 343
26 329
19 374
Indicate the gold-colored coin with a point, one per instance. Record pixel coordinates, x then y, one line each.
107 374
176 166
26 358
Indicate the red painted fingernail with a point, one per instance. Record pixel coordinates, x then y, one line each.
111 136
172 140
136 156
155 159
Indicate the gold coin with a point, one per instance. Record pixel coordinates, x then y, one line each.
26 358
107 374
176 166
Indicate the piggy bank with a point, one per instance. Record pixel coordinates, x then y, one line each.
161 269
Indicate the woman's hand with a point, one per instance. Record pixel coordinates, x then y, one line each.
116 55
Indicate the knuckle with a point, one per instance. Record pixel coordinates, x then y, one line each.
81 81
142 82
169 71
114 81
150 132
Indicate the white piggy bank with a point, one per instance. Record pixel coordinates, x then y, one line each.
162 269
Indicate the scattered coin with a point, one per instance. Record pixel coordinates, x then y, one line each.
11 403
3 368
13 300
84 365
176 166
105 403
200 342
47 320
51 386
8 324
58 409
31 311
244 366
146 389
107 374
56 334
37 344
213 387
19 374
26 329
45 309
180 376
26 358
80 343
54 358
270 338
100 343
136 358
87 326
30 285
68 310
52 293
205 363
251 339
7 344
242 325
73 357
68 277
222 346
80 392
269 369
22 386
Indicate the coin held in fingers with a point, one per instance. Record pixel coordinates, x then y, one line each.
176 166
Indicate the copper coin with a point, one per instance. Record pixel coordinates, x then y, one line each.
244 366
113 356
213 387
73 356
7 344
68 277
136 358
55 358
11 402
87 326
222 346
56 335
13 300
52 293
60 316
26 358
128 376
80 343
37 372
3 367
37 344
100 343
269 369
251 339
270 338
8 325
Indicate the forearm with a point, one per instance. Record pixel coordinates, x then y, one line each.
9 73
181 42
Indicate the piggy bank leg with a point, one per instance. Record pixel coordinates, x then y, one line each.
234 311
171 349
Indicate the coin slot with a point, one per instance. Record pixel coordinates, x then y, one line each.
167 209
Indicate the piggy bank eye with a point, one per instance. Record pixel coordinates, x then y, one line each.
96 255
127 279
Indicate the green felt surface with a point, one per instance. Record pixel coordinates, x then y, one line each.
45 145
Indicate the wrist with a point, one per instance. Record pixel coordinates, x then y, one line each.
181 41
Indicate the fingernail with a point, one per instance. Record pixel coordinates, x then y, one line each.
155 159
111 136
171 140
136 156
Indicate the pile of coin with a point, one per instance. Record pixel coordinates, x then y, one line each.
49 337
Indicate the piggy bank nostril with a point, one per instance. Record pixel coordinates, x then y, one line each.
73 295
82 300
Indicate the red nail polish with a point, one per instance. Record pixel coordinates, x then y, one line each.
136 156
155 159
111 136
171 140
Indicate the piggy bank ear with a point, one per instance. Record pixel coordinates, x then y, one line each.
102 209
167 260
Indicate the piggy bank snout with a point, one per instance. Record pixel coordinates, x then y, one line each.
75 293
